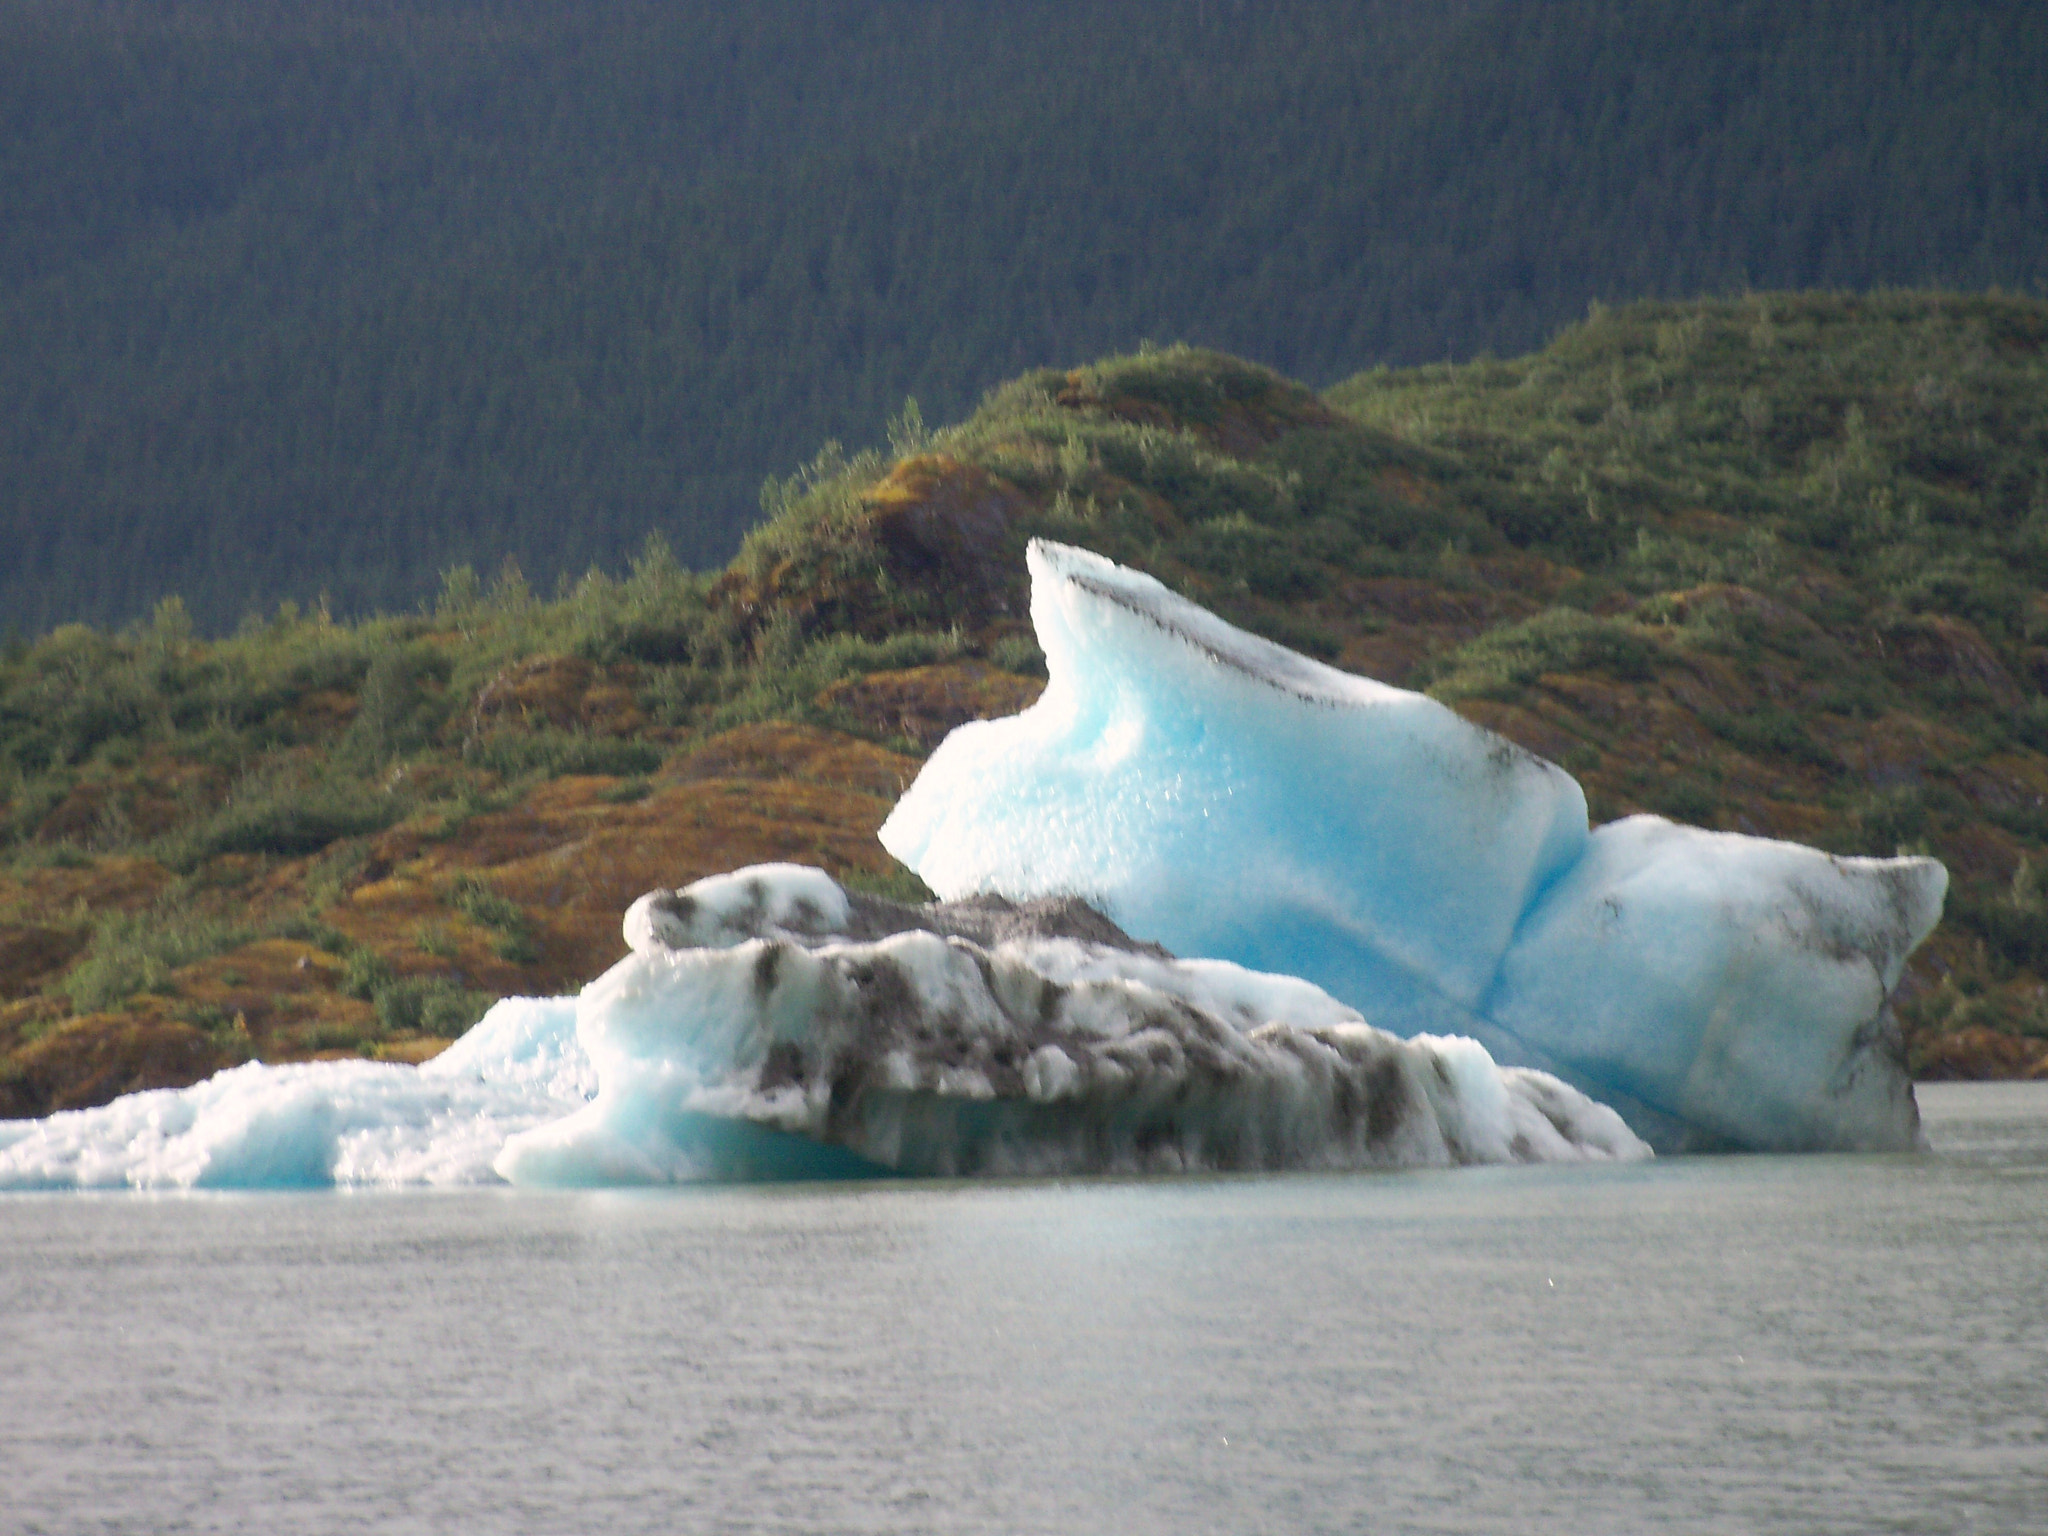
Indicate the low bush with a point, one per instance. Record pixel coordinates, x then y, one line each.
286 817
553 754
364 973
485 907
427 1005
1504 661
137 952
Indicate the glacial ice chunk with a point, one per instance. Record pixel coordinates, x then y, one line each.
1736 983
1228 797
1225 796
987 1039
348 1123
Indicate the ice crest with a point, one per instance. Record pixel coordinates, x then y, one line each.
1226 797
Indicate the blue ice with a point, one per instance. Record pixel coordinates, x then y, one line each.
1224 796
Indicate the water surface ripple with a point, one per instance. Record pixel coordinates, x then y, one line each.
1818 1344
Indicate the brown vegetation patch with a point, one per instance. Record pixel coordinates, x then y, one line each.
1707 685
1519 571
1241 422
577 893
565 692
1595 699
80 815
278 993
1524 728
107 884
923 704
324 712
776 750
572 857
31 953
1792 821
1390 655
2008 782
1455 614
102 1056
1767 614
1977 1053
1977 852
1405 486
1897 750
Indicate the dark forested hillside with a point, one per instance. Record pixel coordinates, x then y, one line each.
323 296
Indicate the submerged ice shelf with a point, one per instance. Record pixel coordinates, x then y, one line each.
1224 796
769 1025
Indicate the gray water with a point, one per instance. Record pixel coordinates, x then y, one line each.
1803 1345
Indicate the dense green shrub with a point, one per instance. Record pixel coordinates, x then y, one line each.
475 900
285 814
137 951
428 1006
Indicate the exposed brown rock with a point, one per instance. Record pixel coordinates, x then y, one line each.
945 528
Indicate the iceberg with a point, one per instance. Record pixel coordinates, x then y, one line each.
1227 797
767 1024
322 1123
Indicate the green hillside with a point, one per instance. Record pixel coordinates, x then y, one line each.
1776 564
323 296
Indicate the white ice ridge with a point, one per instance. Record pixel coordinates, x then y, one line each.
764 1026
347 1123
767 1026
1224 796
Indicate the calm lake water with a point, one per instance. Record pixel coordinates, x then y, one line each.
1737 1344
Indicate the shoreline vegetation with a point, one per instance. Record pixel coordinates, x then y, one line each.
1776 563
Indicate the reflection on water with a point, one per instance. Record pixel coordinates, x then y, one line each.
1992 1125
1733 1344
